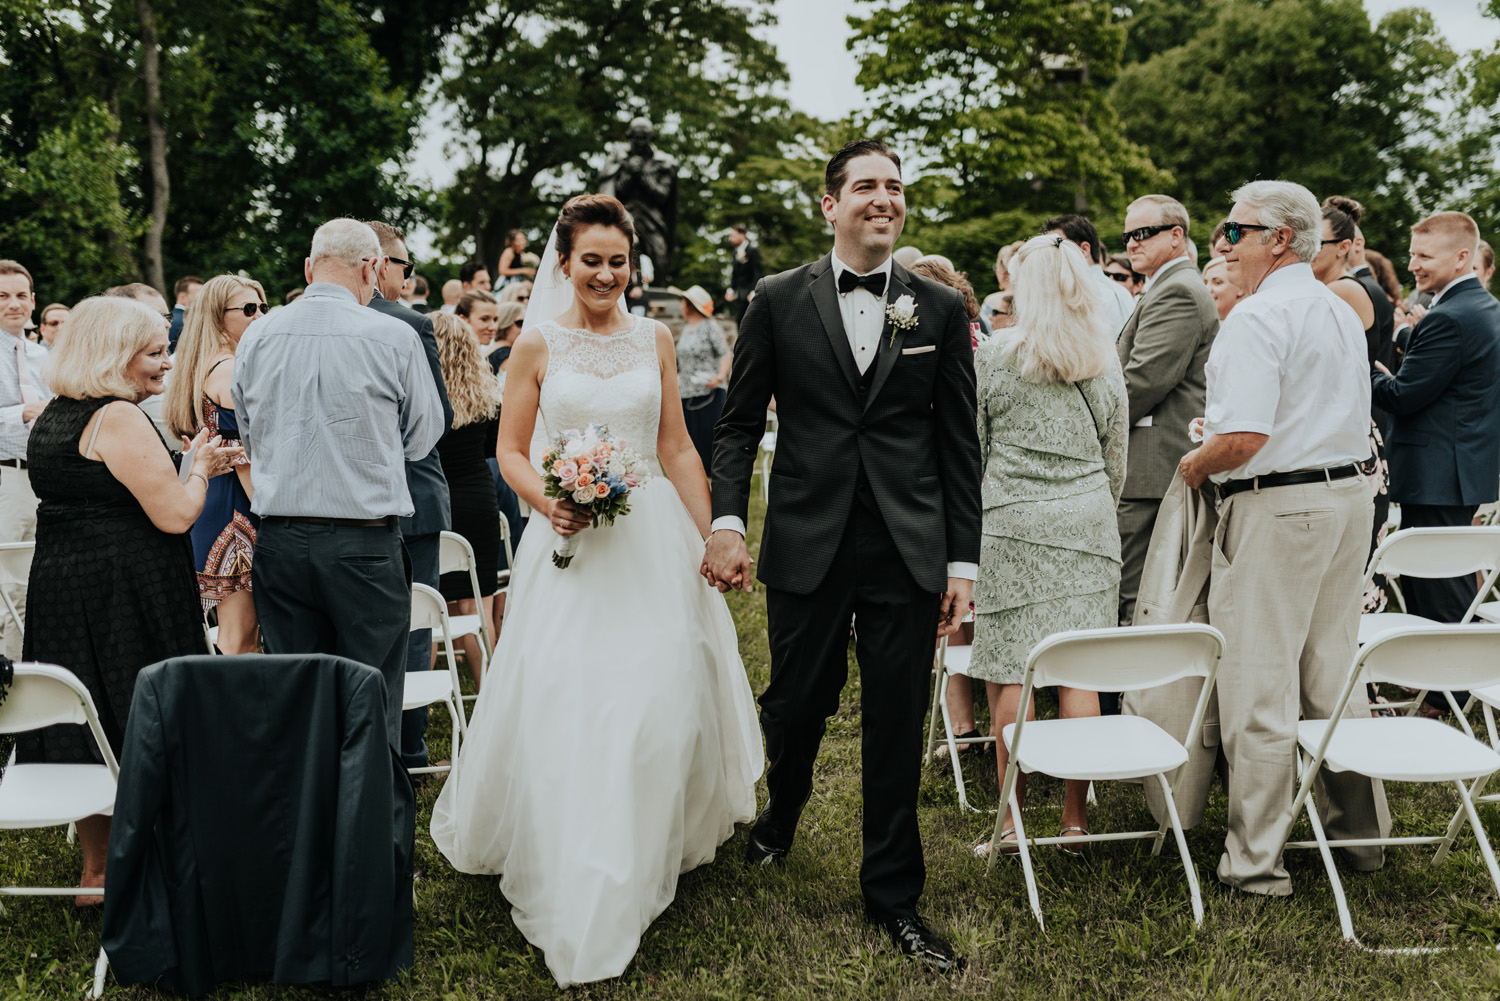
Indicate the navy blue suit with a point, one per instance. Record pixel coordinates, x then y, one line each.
1443 448
420 532
175 330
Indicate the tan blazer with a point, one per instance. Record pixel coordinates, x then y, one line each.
1163 348
1174 589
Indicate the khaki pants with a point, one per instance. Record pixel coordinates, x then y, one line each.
1285 593
17 524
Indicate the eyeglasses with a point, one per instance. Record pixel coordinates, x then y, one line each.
1327 242
249 308
523 298
1234 232
1120 276
1145 233
407 267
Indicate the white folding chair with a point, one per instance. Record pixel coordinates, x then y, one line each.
455 555
15 568
1432 552
502 579
952 662
1108 747
50 795
423 688
1404 748
767 453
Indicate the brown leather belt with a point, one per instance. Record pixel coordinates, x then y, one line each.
385 522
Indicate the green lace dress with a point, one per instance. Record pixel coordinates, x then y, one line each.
1054 465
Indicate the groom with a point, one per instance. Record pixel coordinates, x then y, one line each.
873 517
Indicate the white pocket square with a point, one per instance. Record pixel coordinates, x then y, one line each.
919 351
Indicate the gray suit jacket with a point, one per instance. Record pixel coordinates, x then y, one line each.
1163 349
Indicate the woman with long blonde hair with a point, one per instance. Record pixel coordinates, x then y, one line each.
472 389
197 398
1053 427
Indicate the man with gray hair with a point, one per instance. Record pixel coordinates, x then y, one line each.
1286 421
332 398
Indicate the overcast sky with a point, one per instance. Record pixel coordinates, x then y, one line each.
811 36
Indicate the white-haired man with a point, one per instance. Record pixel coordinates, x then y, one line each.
1286 420
332 398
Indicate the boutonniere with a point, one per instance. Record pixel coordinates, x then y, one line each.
903 315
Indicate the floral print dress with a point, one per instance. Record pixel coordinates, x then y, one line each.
1054 466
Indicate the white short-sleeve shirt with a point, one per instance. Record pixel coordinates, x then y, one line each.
1290 363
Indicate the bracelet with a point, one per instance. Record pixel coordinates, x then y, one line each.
200 476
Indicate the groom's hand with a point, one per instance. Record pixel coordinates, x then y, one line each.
727 562
954 605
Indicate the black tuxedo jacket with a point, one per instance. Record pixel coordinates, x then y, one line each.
424 476
913 430
1444 404
744 276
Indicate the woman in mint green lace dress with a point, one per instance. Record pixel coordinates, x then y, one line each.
1053 426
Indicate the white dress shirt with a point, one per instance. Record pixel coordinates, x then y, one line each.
1161 271
864 321
1290 363
14 432
1118 303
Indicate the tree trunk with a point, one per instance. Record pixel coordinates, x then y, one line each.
157 133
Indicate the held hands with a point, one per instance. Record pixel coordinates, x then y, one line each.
213 457
727 562
566 518
954 605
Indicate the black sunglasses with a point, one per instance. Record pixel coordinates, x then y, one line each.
1145 233
1234 232
1120 276
249 308
407 267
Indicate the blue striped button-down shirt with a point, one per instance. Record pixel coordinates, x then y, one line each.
331 399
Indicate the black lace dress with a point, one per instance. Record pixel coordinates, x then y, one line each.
109 594
474 503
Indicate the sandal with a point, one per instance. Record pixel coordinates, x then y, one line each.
1069 849
964 750
1008 846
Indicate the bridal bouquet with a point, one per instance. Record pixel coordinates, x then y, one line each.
596 471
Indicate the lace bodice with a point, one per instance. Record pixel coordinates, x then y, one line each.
612 379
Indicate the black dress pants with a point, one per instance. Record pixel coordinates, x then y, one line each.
338 589
895 624
1442 599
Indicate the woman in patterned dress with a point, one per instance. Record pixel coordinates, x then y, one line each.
1053 427
198 398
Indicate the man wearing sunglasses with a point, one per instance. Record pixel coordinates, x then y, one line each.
431 515
1163 348
1286 422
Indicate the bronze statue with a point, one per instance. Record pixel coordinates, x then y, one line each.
645 180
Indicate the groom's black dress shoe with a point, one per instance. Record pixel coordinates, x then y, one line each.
915 939
757 852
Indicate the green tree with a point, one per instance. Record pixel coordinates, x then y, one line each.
543 86
1006 108
1304 90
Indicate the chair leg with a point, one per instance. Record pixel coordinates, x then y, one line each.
101 965
1007 793
1182 848
1457 822
932 717
1346 923
1489 724
1484 841
1030 877
953 759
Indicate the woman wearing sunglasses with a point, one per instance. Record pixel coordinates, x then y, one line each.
198 397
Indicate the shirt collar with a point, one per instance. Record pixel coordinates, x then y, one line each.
329 289
1301 271
1455 283
1163 270
884 269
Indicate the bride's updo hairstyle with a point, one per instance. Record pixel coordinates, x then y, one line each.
582 211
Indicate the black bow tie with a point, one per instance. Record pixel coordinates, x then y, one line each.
849 281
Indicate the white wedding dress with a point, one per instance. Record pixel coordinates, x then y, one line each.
614 743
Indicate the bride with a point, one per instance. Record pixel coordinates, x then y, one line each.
614 743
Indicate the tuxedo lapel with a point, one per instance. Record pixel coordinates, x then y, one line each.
891 336
826 297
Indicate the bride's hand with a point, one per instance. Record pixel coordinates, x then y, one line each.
566 518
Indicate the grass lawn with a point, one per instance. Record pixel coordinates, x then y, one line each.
1118 921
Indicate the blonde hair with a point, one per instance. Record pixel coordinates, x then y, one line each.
1455 228
203 337
472 387
510 314
512 292
1060 334
89 358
